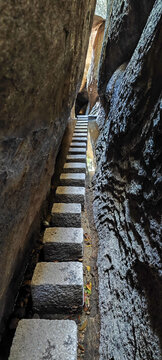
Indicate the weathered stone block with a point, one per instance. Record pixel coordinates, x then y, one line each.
57 286
70 194
81 135
66 215
74 167
63 244
73 158
77 150
81 130
45 339
74 143
82 117
72 179
82 122
85 125
82 126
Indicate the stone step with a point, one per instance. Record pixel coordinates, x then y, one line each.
74 167
82 120
77 158
70 194
78 132
81 125
84 117
37 339
77 150
67 215
63 244
82 131
81 128
57 286
72 179
81 136
78 144
85 125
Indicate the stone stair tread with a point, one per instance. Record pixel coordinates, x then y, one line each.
72 179
77 150
78 144
81 129
63 244
37 339
72 158
56 286
73 176
64 214
80 126
70 194
63 235
74 167
81 137
70 190
81 123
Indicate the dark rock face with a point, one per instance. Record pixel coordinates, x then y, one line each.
43 49
125 22
127 203
81 101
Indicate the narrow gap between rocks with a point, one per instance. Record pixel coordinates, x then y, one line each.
88 320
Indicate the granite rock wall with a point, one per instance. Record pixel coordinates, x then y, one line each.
43 46
128 182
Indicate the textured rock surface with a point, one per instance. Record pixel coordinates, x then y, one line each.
101 8
45 339
43 48
88 94
128 183
92 76
126 19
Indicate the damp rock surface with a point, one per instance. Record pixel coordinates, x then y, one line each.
127 204
124 25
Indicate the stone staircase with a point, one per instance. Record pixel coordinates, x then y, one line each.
57 284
